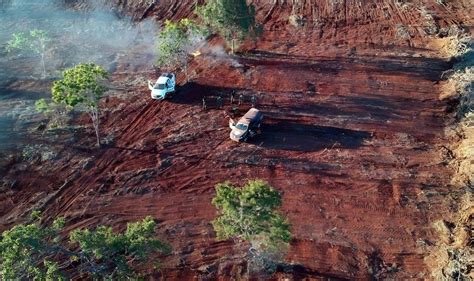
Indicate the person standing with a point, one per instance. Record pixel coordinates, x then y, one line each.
219 102
232 97
253 100
204 105
241 99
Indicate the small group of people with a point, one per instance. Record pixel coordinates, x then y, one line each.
220 103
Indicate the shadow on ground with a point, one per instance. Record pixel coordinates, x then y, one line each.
292 136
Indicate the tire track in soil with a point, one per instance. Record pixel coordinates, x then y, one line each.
329 180
104 162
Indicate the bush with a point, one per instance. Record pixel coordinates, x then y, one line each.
232 19
34 251
82 87
35 42
250 214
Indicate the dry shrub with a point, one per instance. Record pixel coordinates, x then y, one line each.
297 20
461 86
402 32
463 80
443 230
457 43
452 258
430 25
462 83
464 154
403 5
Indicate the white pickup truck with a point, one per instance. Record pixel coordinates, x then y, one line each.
164 85
247 126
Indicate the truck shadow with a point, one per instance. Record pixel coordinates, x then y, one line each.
277 133
192 93
285 135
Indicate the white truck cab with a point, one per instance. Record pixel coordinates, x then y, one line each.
247 126
164 85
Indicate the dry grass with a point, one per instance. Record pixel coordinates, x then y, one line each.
431 27
403 5
443 231
462 82
460 85
453 255
464 154
402 32
457 43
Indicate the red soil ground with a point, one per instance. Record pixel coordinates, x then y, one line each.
352 137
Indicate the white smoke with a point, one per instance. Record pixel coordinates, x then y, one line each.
219 55
97 35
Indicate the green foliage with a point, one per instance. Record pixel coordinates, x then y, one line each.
35 41
250 213
33 251
24 250
30 153
232 19
42 106
35 215
57 113
115 251
81 86
176 39
38 152
19 41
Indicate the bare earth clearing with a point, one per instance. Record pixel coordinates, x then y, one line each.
352 137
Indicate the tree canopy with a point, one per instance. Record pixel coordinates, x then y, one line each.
33 251
232 19
26 251
250 213
176 40
82 86
35 41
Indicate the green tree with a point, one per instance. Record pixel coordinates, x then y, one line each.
250 214
232 19
82 86
33 251
26 251
35 41
176 40
110 255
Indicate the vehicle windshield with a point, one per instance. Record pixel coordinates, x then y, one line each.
160 86
242 127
